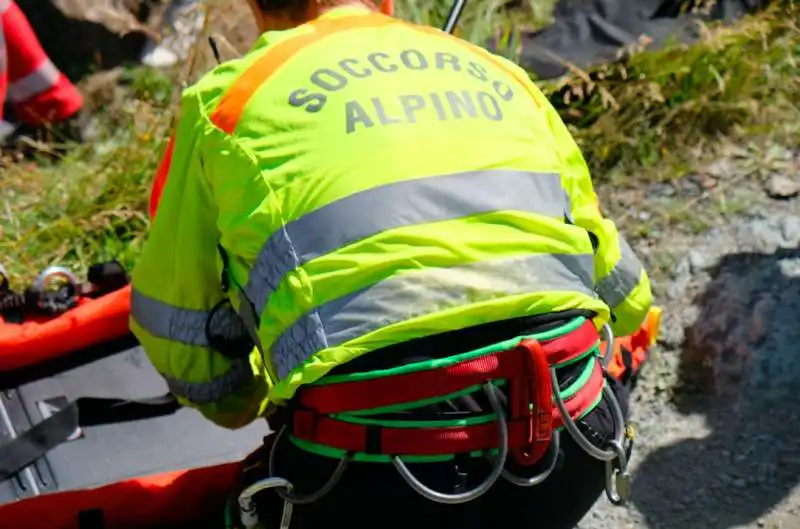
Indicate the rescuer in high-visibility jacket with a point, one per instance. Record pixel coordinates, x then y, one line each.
355 183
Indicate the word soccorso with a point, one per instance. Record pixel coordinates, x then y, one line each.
480 100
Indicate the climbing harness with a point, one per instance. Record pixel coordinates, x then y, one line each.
368 416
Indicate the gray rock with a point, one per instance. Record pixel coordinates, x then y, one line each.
790 230
660 190
700 260
790 267
782 186
720 168
671 335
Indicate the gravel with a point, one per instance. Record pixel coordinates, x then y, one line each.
716 415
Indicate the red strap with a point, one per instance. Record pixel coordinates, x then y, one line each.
572 345
161 177
411 387
536 402
432 383
308 426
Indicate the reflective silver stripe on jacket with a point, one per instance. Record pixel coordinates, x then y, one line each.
397 205
188 327
38 81
239 374
405 296
623 279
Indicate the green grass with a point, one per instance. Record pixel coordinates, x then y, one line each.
671 104
650 119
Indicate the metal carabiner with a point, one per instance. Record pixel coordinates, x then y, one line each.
552 452
577 435
304 499
609 336
248 513
618 479
497 470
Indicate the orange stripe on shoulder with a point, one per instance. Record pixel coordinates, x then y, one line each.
230 108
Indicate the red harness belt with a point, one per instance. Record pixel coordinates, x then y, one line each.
531 414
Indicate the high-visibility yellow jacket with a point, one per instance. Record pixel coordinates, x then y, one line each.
368 182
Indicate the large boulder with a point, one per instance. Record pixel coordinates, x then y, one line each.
83 37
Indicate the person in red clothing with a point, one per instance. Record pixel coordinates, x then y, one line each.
40 95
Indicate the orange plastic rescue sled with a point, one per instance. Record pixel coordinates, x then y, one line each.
184 498
40 339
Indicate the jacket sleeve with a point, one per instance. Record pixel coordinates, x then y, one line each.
620 279
177 298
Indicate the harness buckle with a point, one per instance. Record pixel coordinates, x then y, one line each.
534 401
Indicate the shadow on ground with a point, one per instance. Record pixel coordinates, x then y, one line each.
740 370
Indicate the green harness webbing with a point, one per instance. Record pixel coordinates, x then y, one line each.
368 416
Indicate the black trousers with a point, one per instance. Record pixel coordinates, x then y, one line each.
374 496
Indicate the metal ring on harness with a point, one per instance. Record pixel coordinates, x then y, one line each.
577 435
552 452
483 488
248 511
609 335
303 499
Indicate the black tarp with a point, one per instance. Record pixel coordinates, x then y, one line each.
591 32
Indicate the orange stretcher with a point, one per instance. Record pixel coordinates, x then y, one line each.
41 339
183 498
58 315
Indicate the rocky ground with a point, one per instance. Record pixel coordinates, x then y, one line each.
717 422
